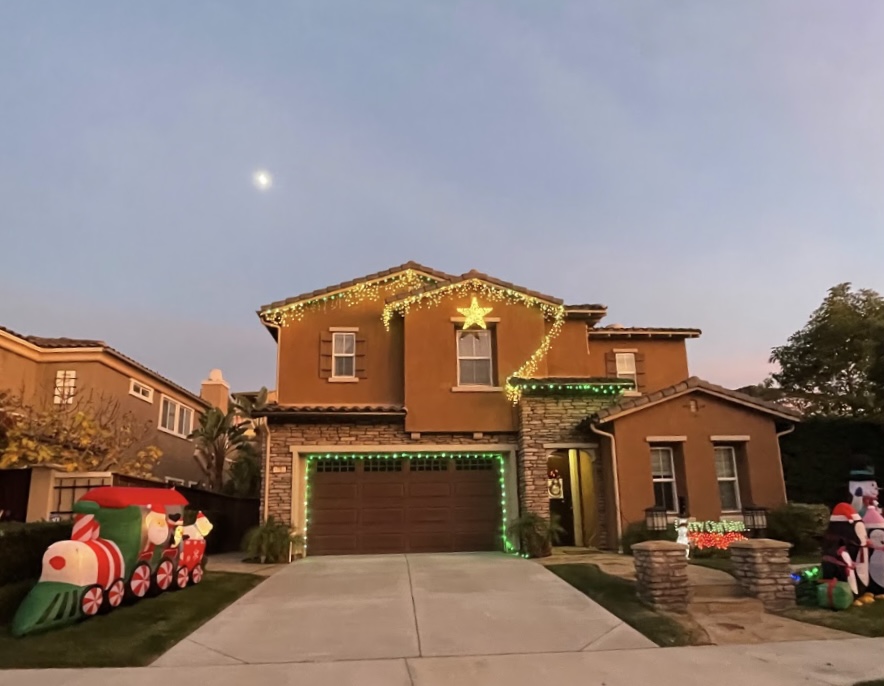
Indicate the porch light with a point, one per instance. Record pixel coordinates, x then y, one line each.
755 520
656 519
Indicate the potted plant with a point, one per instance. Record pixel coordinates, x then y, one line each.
536 534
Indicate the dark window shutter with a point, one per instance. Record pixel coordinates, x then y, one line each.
611 365
641 380
325 355
360 358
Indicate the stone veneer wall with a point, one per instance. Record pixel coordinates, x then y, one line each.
554 419
661 575
361 431
762 567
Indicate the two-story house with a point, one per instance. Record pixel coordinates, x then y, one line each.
421 411
65 371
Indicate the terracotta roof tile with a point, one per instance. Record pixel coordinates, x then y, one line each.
474 274
616 330
442 276
693 382
275 409
75 343
590 306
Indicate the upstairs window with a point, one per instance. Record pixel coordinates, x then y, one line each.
626 368
728 481
343 355
475 363
175 418
663 475
65 387
139 390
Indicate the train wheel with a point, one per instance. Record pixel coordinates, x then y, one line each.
139 584
164 575
91 602
115 594
181 577
197 574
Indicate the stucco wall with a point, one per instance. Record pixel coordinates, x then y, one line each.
762 481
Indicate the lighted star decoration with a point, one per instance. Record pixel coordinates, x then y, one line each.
474 314
262 180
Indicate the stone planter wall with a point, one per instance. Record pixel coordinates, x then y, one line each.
661 575
762 568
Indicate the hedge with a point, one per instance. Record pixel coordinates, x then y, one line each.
22 547
801 525
819 454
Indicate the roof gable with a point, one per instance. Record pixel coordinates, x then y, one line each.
477 277
411 275
693 384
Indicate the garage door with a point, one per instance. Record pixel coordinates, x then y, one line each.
389 505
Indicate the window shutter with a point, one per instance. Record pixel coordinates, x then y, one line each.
360 358
640 379
611 365
325 355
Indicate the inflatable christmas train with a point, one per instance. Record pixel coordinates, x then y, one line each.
126 543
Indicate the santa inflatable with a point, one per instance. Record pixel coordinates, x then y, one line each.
845 551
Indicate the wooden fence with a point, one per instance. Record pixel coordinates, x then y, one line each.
15 485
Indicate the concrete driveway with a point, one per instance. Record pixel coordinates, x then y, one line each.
404 606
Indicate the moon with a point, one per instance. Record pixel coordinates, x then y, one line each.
262 180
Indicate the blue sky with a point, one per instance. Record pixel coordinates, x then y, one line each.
690 163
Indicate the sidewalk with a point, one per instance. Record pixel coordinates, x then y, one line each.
232 562
826 663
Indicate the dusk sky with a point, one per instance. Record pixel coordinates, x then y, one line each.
710 164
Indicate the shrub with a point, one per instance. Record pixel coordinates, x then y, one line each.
270 542
22 547
536 534
638 532
799 524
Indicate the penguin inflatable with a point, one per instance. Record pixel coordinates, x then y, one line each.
874 522
844 549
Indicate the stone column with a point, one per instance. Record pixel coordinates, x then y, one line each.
762 568
661 575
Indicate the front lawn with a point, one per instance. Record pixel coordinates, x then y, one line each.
867 620
618 597
131 636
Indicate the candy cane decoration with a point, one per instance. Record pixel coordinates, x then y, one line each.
86 528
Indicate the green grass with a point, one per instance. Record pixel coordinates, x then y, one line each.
867 620
130 636
618 597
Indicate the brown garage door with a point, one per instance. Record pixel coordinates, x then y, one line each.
387 505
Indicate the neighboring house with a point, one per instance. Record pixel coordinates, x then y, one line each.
420 411
61 370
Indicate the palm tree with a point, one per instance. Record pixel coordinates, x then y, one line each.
222 437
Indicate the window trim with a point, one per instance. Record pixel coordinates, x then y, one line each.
178 406
664 480
64 394
735 478
474 386
146 398
335 332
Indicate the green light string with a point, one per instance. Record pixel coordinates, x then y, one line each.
507 546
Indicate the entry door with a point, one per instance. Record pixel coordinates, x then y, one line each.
561 501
